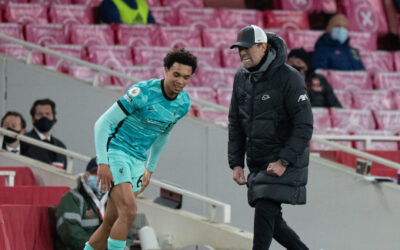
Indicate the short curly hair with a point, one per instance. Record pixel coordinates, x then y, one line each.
181 56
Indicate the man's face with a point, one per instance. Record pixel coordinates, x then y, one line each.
13 122
43 111
338 21
316 85
299 64
177 77
252 56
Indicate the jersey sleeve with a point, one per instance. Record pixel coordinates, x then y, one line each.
134 98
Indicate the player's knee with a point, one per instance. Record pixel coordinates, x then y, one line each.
128 212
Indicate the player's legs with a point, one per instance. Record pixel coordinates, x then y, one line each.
286 236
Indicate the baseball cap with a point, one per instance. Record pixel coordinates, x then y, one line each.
250 35
92 165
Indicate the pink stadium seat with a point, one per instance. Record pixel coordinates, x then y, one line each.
207 57
49 2
88 35
349 80
88 2
239 18
139 73
216 77
388 120
387 80
5 2
204 93
322 119
396 99
218 37
87 74
183 3
285 19
328 6
71 14
198 18
61 64
11 29
213 116
231 59
368 15
377 61
396 57
165 16
25 13
329 131
345 98
303 39
150 55
21 53
224 96
114 57
376 145
44 34
280 32
373 100
138 35
180 37
352 120
152 3
364 40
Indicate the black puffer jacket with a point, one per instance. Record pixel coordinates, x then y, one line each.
270 118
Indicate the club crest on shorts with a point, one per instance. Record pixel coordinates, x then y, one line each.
134 91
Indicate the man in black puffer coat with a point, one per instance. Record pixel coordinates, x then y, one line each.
270 121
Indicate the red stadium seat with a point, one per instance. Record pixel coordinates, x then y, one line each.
285 19
50 2
388 120
231 59
114 57
25 13
23 176
345 98
303 39
377 61
239 18
328 6
88 35
198 18
322 119
13 1
204 93
216 77
280 32
373 100
396 57
165 16
153 56
139 73
207 57
352 120
183 3
349 80
387 80
219 37
396 99
44 34
61 64
329 131
138 35
224 96
180 37
87 75
21 53
91 3
11 29
213 116
376 145
71 14
32 195
364 40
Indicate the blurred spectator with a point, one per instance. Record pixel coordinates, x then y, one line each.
43 114
14 122
333 50
319 90
80 211
125 11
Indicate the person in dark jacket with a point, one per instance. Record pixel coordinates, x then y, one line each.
125 11
319 90
333 51
43 113
271 123
14 122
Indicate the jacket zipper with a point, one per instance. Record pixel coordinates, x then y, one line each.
251 114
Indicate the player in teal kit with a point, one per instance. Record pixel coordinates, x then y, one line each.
138 122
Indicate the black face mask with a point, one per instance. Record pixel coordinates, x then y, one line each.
9 140
44 124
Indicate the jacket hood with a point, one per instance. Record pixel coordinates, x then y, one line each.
327 40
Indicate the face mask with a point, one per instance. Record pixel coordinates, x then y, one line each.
339 34
44 124
9 140
92 181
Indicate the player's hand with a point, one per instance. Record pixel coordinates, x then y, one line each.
104 176
238 175
146 179
276 169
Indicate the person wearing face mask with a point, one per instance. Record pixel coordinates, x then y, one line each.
14 122
333 50
80 211
43 113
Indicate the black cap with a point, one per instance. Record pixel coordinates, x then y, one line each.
250 35
92 165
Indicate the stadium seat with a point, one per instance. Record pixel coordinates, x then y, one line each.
139 73
233 4
23 176
90 3
21 53
239 18
224 96
349 80
396 99
303 39
345 98
377 61
388 120
216 77
87 74
165 16
183 3
11 29
198 18
396 57
44 34
207 57
51 2
32 195
387 80
61 64
329 131
322 119
328 6
231 59
373 100
285 19
352 120
363 40
376 145
146 55
89 35
280 32
152 3
114 57
180 37
138 35
25 13
204 93
213 116
68 14
218 37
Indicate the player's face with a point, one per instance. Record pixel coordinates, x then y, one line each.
252 56
176 78
43 111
